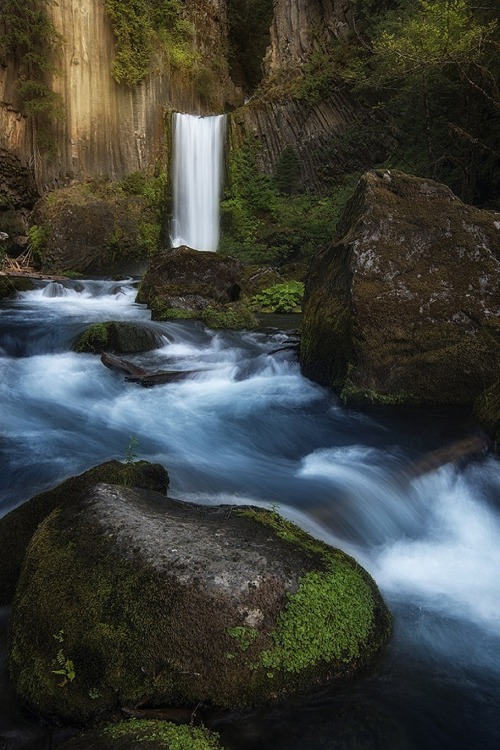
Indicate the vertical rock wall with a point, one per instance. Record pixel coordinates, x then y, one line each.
109 129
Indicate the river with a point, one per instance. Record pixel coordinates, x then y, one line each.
248 428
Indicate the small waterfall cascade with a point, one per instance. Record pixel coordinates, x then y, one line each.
198 148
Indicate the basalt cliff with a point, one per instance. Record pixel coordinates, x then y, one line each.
243 56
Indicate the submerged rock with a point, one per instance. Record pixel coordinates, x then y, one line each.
18 526
137 599
404 307
182 283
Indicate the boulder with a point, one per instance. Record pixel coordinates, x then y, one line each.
94 229
117 336
137 599
18 526
404 307
182 283
11 285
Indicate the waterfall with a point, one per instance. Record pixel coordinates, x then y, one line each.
198 145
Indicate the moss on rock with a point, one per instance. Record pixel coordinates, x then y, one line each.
405 305
96 228
152 600
120 337
18 526
153 735
10 285
184 284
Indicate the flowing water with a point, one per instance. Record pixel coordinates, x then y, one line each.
198 146
248 428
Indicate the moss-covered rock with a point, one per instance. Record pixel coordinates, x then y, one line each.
153 735
404 307
10 285
95 228
183 284
138 599
18 526
117 336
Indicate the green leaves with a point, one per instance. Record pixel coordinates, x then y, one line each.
432 34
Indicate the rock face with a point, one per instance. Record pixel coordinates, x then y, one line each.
405 305
185 283
138 599
97 108
18 526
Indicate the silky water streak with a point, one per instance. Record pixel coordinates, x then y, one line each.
198 146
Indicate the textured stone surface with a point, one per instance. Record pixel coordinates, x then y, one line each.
156 601
405 305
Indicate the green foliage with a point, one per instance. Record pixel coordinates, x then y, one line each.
434 68
130 454
170 736
140 28
31 40
287 171
65 667
429 35
280 298
259 224
38 239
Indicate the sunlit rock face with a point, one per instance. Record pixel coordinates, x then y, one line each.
405 305
109 128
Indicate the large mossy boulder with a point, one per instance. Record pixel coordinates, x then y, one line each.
404 307
182 283
117 336
137 599
18 526
94 228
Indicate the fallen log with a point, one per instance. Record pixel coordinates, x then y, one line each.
135 374
161 376
118 364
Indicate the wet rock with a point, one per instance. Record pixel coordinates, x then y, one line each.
404 307
18 526
487 410
182 283
137 599
117 336
10 285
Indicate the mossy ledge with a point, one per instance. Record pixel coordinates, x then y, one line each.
137 598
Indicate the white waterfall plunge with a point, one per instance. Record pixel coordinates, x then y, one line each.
198 145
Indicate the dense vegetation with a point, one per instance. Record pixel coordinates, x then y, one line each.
430 69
